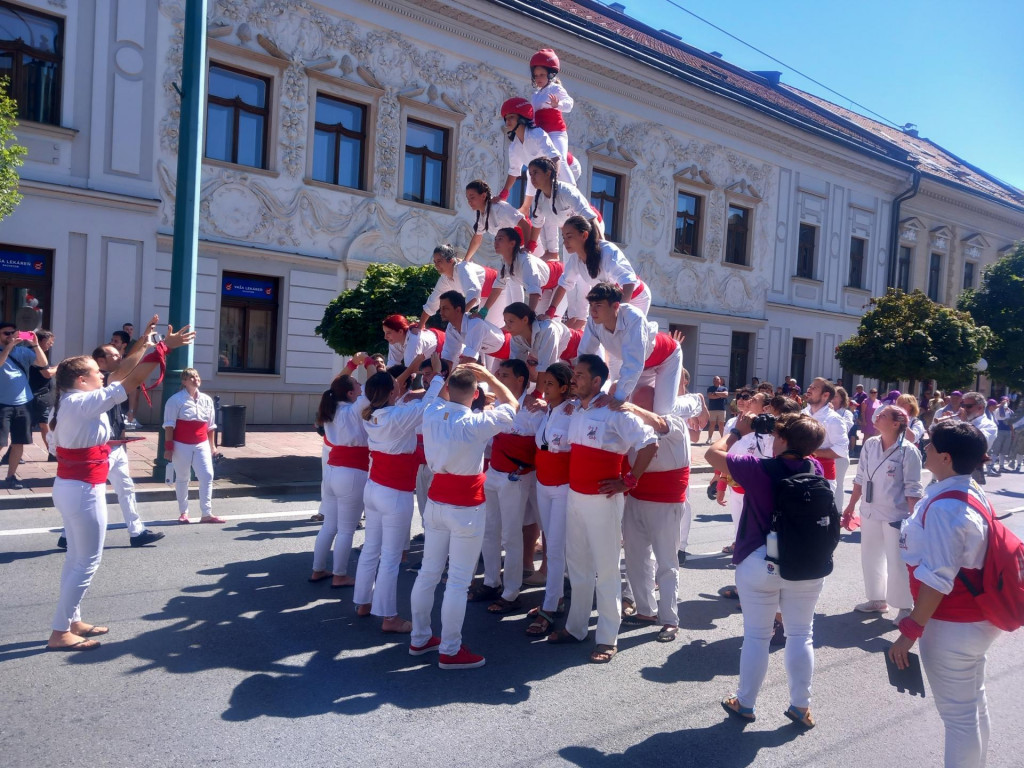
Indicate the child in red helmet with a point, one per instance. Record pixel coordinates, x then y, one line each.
527 142
550 99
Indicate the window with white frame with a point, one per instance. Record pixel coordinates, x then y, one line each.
32 60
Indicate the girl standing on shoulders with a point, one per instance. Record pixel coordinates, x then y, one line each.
527 141
492 214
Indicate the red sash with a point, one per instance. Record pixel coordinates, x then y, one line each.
552 468
507 450
421 456
828 467
555 270
572 349
89 465
589 466
550 119
457 490
490 275
639 289
394 470
190 432
668 487
352 456
439 335
505 350
664 347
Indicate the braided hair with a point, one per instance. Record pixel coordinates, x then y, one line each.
481 188
378 391
590 245
549 166
67 374
515 235
342 386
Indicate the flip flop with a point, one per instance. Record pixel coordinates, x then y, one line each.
542 622
83 645
93 631
628 607
603 654
803 720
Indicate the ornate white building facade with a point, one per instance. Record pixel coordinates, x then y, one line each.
765 273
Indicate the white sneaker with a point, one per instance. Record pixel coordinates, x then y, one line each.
903 613
872 606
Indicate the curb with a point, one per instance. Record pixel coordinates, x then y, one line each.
45 500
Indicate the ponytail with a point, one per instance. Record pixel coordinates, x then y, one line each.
341 387
482 188
515 235
590 246
378 391
549 166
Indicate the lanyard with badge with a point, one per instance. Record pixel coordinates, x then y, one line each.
869 486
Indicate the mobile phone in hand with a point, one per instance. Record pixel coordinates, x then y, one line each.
26 336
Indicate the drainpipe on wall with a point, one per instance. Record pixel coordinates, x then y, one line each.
894 226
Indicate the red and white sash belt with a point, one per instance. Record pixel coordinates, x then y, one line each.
190 432
589 466
457 490
90 465
394 470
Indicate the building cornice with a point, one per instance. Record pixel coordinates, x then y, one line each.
812 312
209 247
87 196
970 201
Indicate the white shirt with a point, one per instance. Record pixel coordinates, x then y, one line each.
346 428
568 201
553 427
501 215
548 340
476 337
392 429
422 343
627 347
847 416
467 279
535 143
895 475
952 537
528 273
673 446
181 405
82 418
541 98
608 430
526 422
836 431
454 437
614 268
987 427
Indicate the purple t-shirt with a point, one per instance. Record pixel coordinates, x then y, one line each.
758 499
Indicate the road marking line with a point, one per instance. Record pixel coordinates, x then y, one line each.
162 523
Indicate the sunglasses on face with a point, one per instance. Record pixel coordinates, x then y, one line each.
743 397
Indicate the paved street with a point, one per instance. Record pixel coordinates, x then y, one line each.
221 653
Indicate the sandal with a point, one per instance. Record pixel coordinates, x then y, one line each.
541 624
92 631
532 613
729 593
728 549
802 719
638 620
501 605
668 633
479 592
560 636
733 707
628 607
603 654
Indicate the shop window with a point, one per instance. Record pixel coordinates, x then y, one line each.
237 117
25 287
31 58
339 142
248 323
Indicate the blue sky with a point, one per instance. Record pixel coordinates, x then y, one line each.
955 69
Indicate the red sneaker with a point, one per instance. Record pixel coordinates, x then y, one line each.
431 645
464 659
212 519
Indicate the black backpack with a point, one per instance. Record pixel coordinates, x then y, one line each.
805 520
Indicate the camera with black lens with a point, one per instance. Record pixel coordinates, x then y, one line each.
763 424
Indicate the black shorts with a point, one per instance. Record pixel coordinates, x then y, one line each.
39 411
16 424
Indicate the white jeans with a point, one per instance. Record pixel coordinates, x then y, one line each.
341 505
842 465
684 526
455 534
734 503
551 501
197 457
83 507
593 532
423 478
762 593
388 516
653 526
885 575
506 506
953 656
120 476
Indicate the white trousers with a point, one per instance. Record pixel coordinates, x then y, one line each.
506 507
651 526
423 478
120 476
953 656
885 575
839 491
734 503
341 504
197 457
762 593
455 534
576 303
593 533
664 377
388 516
551 501
684 526
83 508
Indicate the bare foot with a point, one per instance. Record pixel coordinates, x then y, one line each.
319 575
82 629
363 610
396 625
64 641
343 581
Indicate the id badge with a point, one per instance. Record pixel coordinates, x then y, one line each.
869 488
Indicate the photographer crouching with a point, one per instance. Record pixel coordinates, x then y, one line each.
769 572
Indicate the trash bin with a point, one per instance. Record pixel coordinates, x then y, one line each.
232 426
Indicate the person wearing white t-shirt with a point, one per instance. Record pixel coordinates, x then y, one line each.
471 280
522 276
527 141
541 342
555 202
407 342
467 337
492 214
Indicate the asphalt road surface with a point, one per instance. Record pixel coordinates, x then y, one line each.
220 653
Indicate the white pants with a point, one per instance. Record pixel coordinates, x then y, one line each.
388 516
885 575
197 457
545 302
576 302
643 303
561 141
593 533
684 526
953 656
506 506
83 507
734 503
455 534
423 478
762 593
650 526
551 501
120 476
842 465
341 505
664 377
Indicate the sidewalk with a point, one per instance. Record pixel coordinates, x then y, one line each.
275 461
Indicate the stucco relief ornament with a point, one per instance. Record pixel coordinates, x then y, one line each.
908 235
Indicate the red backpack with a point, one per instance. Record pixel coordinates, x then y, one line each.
1001 594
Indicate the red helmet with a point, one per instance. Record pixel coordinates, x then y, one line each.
545 57
517 106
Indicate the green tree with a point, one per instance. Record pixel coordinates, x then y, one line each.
909 336
999 304
352 322
11 154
